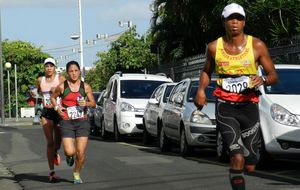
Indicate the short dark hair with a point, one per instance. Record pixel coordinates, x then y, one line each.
72 63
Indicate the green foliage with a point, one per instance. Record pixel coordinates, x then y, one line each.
128 52
182 28
28 60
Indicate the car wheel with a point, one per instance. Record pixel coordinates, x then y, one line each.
185 149
117 134
164 143
147 138
104 133
222 153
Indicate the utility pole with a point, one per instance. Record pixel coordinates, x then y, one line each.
1 78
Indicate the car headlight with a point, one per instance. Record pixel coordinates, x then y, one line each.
200 117
283 116
126 107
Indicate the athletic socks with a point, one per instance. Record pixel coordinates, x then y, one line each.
237 179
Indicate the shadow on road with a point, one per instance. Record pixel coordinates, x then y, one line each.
38 178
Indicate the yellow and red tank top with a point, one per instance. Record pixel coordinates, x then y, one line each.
46 87
70 102
233 73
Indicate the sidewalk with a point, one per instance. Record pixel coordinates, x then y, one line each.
11 122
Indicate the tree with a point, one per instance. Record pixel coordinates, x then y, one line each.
29 61
129 52
182 28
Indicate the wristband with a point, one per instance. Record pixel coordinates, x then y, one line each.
56 108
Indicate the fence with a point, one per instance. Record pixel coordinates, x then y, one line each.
191 66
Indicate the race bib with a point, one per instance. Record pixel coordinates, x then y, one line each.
47 100
236 85
75 112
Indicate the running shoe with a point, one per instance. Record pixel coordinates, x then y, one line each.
56 159
70 160
77 179
53 177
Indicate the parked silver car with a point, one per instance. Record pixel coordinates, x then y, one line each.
153 111
183 123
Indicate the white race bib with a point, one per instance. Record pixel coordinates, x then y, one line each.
75 112
236 85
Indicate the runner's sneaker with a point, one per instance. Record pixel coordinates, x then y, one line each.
56 159
77 179
53 177
70 160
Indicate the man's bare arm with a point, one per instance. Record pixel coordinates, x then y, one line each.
264 59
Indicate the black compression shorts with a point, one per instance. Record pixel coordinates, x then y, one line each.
240 128
51 114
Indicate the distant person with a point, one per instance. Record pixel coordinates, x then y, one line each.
234 58
49 117
76 95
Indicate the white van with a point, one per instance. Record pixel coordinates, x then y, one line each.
125 102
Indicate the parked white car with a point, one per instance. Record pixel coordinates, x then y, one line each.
183 124
280 114
153 111
279 109
125 102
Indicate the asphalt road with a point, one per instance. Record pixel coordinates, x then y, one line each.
127 166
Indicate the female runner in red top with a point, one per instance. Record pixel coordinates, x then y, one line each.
76 96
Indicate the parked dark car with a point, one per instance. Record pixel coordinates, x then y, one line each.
98 116
91 111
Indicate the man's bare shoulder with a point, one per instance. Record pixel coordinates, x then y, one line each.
211 48
212 45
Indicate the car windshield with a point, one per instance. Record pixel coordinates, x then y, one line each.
138 89
208 91
288 82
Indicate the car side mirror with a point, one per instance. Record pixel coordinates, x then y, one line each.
153 101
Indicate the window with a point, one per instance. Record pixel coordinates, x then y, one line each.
138 89
288 82
167 92
175 92
114 93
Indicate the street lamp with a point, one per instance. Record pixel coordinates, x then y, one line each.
1 78
75 37
8 66
80 38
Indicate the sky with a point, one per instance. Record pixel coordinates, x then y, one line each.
51 23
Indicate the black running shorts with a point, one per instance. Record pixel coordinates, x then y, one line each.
240 128
51 114
75 128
